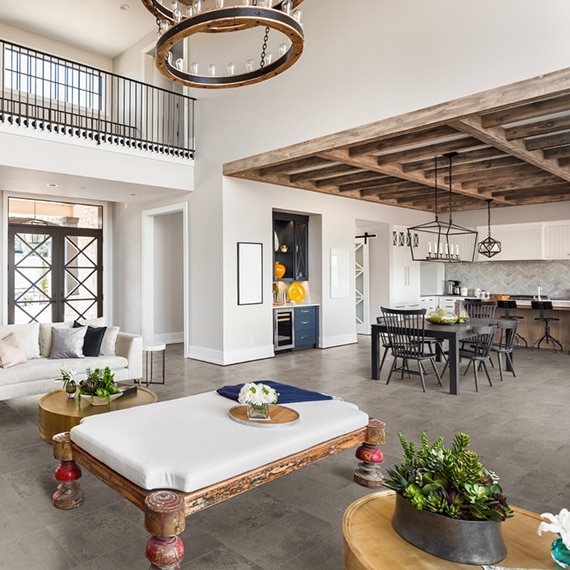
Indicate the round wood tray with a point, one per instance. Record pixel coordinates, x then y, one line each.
279 416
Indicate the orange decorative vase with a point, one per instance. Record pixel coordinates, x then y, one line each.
279 270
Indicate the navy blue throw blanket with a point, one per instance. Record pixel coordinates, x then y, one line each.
287 394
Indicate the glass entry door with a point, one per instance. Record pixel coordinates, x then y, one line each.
55 273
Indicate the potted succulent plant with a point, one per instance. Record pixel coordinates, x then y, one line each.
447 503
99 387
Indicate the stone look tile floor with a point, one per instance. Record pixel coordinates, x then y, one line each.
519 427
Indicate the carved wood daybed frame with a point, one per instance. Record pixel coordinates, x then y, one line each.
165 511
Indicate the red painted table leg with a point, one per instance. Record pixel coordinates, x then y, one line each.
368 473
69 494
164 519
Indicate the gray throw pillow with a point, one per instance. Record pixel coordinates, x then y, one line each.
67 343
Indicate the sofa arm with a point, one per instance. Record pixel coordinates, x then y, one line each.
130 347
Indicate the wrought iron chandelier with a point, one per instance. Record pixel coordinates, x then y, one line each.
269 33
489 247
444 242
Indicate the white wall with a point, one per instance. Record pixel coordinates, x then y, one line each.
168 278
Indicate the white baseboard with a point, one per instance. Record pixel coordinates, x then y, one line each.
227 358
331 341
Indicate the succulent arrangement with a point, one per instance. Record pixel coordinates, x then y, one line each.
99 382
451 482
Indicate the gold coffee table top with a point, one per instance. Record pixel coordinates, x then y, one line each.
58 413
370 542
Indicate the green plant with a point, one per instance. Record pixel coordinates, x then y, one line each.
68 376
99 383
451 482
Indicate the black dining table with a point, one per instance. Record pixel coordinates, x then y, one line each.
454 334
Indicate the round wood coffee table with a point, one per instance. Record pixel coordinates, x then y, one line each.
370 542
58 413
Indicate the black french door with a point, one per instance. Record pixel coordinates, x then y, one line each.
55 273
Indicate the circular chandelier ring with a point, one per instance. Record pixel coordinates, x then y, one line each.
229 20
156 7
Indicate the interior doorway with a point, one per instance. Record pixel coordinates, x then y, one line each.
165 315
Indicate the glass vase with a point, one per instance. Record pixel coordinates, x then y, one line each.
258 411
70 390
560 553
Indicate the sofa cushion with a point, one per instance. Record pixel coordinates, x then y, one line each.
110 337
10 352
109 341
46 335
93 339
45 368
67 343
28 337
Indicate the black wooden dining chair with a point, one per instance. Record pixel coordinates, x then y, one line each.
385 342
503 345
481 309
406 333
478 352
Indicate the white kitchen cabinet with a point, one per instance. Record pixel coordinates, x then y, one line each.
557 240
448 303
429 304
518 241
404 272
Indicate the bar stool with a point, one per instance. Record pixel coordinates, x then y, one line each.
542 306
508 305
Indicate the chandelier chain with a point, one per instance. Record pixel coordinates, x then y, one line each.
264 48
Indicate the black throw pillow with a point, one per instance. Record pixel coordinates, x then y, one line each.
93 339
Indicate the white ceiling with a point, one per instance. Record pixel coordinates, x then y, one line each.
98 26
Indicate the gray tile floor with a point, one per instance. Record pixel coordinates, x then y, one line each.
519 427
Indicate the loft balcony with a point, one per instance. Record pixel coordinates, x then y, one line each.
49 94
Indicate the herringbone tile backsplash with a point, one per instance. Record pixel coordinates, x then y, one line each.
514 277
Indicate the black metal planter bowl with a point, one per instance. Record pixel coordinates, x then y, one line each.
468 542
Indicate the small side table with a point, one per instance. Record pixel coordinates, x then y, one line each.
149 351
58 413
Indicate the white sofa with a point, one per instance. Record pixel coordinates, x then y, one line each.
122 352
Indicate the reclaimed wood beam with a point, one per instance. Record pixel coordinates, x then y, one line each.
293 165
428 150
546 126
408 139
495 137
464 157
320 173
525 112
548 141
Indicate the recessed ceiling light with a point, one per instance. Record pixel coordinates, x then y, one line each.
125 7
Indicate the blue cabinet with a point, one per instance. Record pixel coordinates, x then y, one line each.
306 327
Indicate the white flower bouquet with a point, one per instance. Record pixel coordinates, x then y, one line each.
257 394
559 524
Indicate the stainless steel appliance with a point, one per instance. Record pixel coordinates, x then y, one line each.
283 329
453 287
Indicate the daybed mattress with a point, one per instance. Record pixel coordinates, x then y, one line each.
190 443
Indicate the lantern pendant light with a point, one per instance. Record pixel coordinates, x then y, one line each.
489 247
443 242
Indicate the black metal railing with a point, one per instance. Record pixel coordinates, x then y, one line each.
48 93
